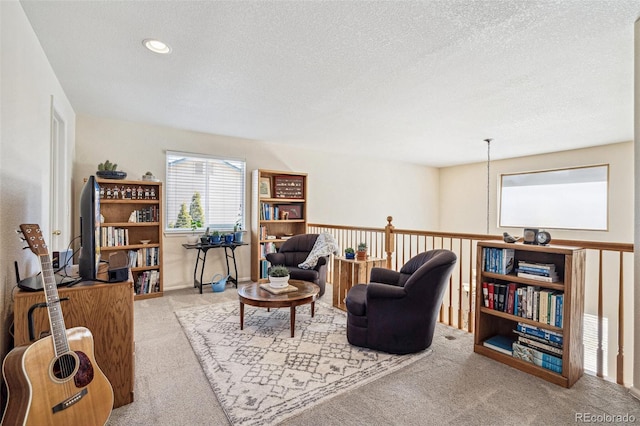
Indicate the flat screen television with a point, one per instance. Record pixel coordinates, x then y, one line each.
89 258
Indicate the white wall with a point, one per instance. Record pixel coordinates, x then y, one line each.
27 83
463 191
343 190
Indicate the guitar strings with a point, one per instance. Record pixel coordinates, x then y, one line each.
58 329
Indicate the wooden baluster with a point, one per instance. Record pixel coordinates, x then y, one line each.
389 240
599 352
620 356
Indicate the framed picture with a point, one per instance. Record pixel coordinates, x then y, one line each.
290 211
264 188
288 186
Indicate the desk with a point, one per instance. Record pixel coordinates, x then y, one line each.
229 253
349 272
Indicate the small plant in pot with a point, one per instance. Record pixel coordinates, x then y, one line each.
278 276
349 253
362 251
215 237
237 232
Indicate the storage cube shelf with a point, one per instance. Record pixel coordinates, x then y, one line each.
144 209
537 302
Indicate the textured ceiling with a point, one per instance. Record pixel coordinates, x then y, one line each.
419 81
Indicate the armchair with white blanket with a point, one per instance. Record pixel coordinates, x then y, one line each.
306 256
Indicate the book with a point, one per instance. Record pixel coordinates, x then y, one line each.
540 332
500 343
491 295
535 357
538 339
548 279
542 347
511 297
485 293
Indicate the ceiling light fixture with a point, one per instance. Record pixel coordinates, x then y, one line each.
156 46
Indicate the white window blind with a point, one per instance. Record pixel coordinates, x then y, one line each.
218 182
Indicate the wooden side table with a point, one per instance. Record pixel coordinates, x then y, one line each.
349 272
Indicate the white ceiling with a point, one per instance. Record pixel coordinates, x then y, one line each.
417 81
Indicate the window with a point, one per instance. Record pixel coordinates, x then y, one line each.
574 198
206 189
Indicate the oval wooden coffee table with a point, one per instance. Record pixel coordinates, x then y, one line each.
253 295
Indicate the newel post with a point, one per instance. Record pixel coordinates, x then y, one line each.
389 241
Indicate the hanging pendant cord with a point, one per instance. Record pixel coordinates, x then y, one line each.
488 141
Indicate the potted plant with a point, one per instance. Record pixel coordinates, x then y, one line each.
193 238
109 170
215 237
349 253
237 232
278 276
228 238
362 251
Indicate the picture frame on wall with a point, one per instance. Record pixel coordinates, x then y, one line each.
264 187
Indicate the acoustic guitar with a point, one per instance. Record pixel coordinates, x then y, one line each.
55 380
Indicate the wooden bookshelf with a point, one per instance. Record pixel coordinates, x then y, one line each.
273 194
570 264
117 211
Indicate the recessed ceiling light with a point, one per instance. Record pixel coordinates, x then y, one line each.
156 46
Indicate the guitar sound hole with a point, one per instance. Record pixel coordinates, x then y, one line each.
64 366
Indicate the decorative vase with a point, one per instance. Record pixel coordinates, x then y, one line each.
278 282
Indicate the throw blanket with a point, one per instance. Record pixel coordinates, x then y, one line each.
324 246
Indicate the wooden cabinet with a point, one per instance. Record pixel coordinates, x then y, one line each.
349 272
568 263
132 212
107 311
278 211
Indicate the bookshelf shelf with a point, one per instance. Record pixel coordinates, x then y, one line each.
266 209
506 315
116 213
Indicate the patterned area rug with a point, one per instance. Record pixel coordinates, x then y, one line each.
261 375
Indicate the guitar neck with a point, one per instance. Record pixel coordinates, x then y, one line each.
56 320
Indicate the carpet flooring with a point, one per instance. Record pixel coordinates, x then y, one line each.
451 386
262 375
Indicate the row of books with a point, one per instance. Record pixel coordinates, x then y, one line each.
111 236
268 247
538 271
532 344
264 268
498 260
269 212
147 214
148 282
143 257
545 306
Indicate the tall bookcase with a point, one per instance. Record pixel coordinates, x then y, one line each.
133 224
278 211
568 263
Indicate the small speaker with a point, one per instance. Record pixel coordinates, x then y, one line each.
118 266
